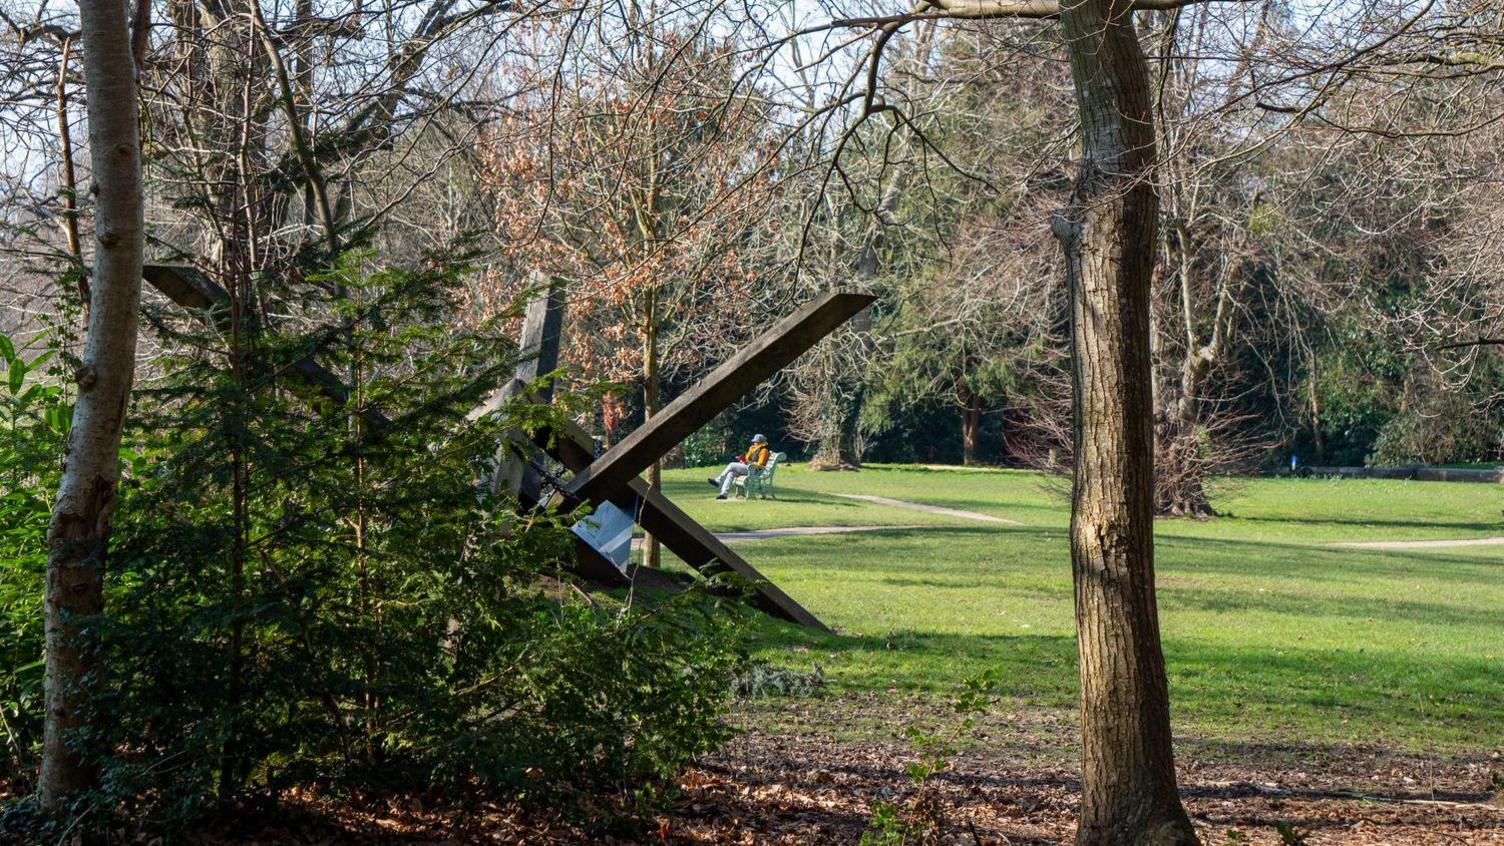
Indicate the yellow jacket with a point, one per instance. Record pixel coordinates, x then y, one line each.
757 454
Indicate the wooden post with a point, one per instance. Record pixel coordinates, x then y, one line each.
538 353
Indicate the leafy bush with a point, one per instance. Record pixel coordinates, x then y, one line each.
34 418
1446 426
302 594
707 447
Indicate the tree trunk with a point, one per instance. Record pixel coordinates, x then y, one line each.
1183 466
651 555
69 187
971 423
1128 792
80 526
839 447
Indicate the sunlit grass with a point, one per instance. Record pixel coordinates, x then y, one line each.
1271 635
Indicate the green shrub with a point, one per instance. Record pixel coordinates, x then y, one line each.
707 447
34 418
297 595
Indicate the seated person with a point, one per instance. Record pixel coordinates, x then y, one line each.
755 456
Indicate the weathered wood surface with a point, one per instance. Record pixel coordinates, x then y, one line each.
538 351
192 289
766 355
542 329
693 543
538 355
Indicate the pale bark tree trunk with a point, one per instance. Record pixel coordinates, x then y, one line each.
80 527
1128 792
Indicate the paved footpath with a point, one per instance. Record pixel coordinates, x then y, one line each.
1432 544
931 509
796 531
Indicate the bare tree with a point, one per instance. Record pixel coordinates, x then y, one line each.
1128 792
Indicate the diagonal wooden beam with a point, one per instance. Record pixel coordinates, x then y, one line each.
538 354
766 355
693 543
192 289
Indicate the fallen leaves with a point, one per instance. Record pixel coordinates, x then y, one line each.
807 785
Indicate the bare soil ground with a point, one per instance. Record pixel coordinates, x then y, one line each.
1015 784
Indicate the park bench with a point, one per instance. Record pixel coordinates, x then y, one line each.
759 480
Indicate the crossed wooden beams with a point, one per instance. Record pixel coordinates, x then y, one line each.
614 476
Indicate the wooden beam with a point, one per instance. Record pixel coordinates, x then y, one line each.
538 355
766 355
190 288
538 351
679 532
542 328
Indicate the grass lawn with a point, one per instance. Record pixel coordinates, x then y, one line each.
1271 635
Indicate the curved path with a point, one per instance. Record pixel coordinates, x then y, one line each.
931 509
1431 544
795 531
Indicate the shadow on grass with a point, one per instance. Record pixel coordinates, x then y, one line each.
1367 609
1293 695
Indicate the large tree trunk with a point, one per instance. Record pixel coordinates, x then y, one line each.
80 527
1128 793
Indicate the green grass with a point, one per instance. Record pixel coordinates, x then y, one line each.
1270 635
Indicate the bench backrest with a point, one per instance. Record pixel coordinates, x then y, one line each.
773 461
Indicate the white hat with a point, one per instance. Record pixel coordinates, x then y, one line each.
759 439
